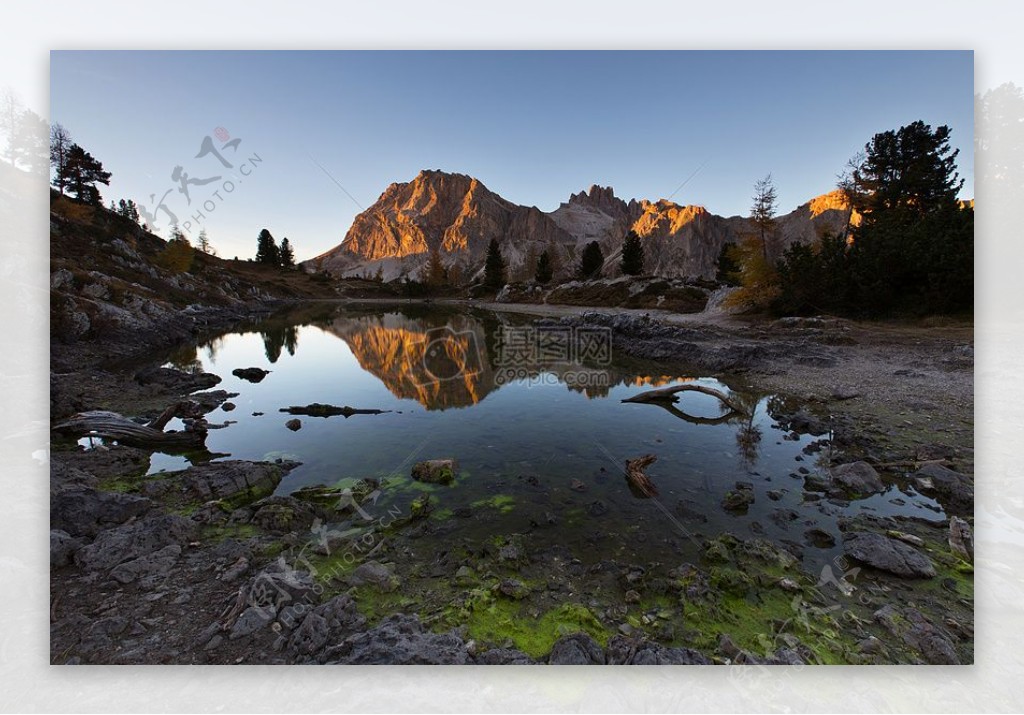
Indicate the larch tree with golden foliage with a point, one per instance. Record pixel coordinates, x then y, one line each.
757 275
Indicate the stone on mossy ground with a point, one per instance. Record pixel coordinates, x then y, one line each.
399 640
512 588
576 649
339 498
372 573
886 554
237 482
281 514
435 471
465 577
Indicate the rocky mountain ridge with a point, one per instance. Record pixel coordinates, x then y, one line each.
457 216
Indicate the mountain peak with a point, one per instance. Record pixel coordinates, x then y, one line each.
457 216
597 196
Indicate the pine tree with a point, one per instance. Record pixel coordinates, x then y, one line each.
60 145
204 243
543 273
591 262
81 172
133 211
285 254
762 213
914 247
266 249
494 266
728 269
632 255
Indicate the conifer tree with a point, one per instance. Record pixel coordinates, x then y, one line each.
494 266
632 255
591 262
543 272
285 254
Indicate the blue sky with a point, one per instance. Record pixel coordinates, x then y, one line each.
533 126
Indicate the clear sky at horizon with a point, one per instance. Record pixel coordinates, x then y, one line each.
333 129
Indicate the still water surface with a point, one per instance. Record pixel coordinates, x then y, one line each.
541 448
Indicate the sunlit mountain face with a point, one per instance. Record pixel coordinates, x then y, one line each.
456 217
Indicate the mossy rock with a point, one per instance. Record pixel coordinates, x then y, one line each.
435 471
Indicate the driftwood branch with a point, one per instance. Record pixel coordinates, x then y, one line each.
638 480
101 423
668 395
317 409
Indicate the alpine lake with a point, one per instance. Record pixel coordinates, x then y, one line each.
539 532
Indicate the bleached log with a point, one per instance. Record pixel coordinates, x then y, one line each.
110 425
669 394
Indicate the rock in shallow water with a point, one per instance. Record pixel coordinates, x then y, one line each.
953 489
252 374
857 477
435 471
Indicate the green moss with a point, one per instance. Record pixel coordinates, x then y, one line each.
420 507
327 567
397 483
442 514
575 516
244 498
496 621
376 605
501 502
120 484
218 533
950 569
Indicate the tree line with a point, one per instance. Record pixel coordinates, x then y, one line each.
270 253
911 252
76 174
589 267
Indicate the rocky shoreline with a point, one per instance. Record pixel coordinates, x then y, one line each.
207 565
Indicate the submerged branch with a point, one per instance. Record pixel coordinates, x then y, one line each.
638 479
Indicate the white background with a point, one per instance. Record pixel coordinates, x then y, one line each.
28 683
